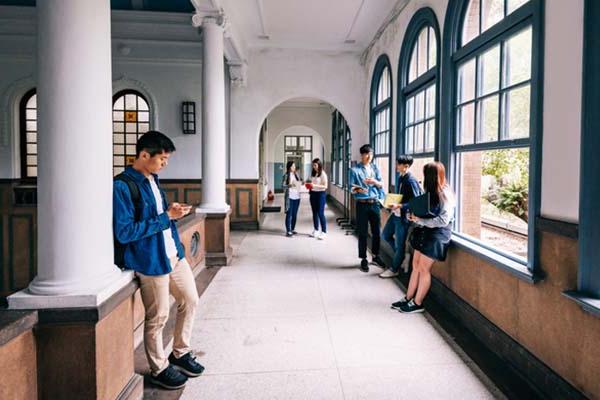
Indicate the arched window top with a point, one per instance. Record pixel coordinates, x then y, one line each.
424 54
481 15
382 82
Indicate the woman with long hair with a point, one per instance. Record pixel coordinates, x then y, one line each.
430 238
292 185
318 195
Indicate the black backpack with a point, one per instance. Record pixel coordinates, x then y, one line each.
136 198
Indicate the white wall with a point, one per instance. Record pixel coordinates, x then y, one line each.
275 76
166 73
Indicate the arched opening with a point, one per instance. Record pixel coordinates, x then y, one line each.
302 129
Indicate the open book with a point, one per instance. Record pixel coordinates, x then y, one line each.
391 198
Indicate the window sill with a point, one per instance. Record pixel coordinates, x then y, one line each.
589 304
512 267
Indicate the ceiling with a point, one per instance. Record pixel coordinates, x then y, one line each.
348 25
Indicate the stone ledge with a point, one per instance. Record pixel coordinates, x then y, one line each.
14 323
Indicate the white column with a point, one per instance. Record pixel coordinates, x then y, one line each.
75 242
213 117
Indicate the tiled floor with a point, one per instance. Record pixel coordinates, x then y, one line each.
293 318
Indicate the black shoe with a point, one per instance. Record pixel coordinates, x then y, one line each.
169 378
294 233
364 265
187 364
411 307
377 260
398 304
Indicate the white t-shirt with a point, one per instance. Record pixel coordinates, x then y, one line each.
170 247
319 180
293 192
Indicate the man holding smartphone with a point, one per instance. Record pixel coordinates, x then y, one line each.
367 189
146 234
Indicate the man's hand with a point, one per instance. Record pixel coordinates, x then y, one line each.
177 210
357 189
395 206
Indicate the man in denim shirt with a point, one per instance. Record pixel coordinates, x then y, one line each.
367 189
153 250
396 227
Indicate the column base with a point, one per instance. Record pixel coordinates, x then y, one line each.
87 352
216 239
25 300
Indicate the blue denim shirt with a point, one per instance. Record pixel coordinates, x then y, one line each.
145 250
357 176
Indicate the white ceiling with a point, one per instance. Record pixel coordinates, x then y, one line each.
339 25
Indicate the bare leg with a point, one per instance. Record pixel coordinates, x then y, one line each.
414 276
424 278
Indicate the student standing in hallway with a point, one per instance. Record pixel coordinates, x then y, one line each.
318 197
367 188
430 238
396 227
292 185
146 241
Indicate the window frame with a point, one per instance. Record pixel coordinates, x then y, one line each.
382 63
23 134
424 17
115 97
528 14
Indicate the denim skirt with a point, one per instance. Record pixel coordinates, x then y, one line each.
432 242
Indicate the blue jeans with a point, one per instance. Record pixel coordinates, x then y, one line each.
317 203
290 215
395 232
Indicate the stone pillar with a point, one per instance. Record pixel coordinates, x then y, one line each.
214 155
84 300
75 248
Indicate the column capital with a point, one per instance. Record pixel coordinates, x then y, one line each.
202 18
238 73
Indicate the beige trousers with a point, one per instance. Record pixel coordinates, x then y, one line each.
155 296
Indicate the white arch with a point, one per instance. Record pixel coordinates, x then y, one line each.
124 82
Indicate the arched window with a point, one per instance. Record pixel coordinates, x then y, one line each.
492 93
418 89
131 119
28 116
381 116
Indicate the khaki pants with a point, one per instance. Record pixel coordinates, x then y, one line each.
155 296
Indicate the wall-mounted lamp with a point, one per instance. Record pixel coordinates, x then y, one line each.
188 115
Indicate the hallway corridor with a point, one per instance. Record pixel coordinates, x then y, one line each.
293 318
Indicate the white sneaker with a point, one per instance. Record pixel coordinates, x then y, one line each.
314 234
322 236
388 274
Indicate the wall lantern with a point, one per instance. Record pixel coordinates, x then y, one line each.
188 115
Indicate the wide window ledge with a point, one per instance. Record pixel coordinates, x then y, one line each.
504 263
588 304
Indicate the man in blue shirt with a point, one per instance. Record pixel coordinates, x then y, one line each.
146 235
396 227
367 189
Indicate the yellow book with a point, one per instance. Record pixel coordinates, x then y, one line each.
392 198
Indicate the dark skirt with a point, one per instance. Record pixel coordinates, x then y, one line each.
432 242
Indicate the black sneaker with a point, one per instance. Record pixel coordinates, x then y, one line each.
169 378
364 265
378 261
288 234
398 304
294 233
411 307
187 364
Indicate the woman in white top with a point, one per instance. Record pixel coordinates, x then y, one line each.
292 186
318 196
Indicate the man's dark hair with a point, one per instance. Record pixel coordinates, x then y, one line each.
154 143
365 149
405 159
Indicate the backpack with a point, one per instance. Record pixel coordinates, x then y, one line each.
134 190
